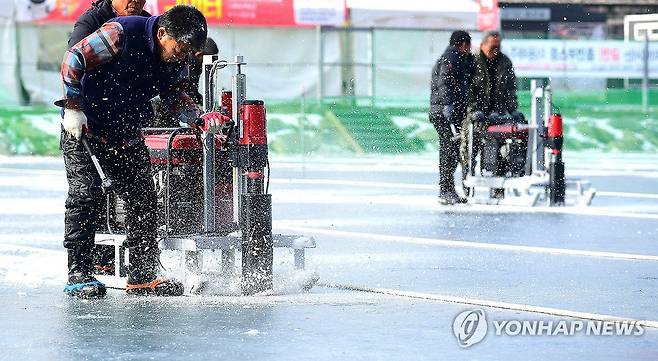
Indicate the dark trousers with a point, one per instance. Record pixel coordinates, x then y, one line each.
448 153
129 168
466 153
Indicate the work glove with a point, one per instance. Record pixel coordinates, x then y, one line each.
73 122
448 112
189 117
213 122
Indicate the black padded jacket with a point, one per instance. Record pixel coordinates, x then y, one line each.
451 78
92 19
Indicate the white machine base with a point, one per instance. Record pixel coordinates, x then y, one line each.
191 259
530 190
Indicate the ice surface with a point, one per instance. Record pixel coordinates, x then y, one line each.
380 198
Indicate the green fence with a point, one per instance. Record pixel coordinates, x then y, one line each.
29 130
610 121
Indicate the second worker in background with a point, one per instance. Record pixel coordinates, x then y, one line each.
451 81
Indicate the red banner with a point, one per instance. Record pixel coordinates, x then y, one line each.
222 12
488 16
241 12
66 11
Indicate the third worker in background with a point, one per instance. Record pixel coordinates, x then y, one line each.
451 79
494 82
493 90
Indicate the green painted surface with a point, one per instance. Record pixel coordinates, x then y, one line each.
608 121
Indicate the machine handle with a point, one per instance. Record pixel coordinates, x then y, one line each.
106 182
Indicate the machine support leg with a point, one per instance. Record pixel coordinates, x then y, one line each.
257 244
228 262
119 261
300 259
557 182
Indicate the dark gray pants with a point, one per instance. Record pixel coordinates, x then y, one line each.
448 153
129 168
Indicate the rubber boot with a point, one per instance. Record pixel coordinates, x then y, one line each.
450 198
81 283
143 268
497 193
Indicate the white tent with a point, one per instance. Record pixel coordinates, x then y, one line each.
415 14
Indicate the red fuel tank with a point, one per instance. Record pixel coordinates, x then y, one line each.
252 115
555 132
227 103
555 126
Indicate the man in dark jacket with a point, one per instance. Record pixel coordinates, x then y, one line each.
451 77
102 11
494 83
493 90
109 78
90 21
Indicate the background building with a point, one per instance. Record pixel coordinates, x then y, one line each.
571 18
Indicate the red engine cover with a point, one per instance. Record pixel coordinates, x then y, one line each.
555 128
252 115
185 147
181 142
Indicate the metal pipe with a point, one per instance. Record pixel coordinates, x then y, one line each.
320 40
209 183
645 77
536 94
168 173
238 87
106 182
373 69
541 127
209 199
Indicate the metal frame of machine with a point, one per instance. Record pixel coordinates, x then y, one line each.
541 183
251 232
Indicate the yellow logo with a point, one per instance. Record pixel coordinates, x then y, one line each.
209 8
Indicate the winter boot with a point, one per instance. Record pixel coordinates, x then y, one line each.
450 198
81 283
144 266
497 193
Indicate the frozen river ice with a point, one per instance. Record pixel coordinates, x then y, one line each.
377 226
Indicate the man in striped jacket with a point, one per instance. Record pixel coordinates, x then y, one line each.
91 20
109 78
